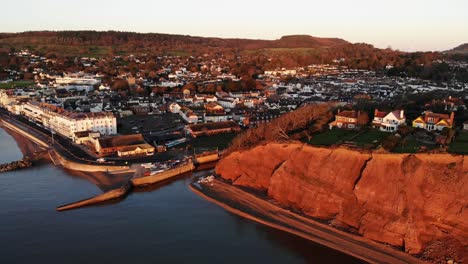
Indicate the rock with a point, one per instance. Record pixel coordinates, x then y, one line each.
21 164
408 201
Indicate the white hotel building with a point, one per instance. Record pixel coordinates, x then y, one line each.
67 123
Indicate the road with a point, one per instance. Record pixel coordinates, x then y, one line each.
257 209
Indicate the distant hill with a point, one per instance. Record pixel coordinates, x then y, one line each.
462 49
286 52
102 43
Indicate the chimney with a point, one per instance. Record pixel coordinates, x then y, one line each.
452 116
402 114
375 112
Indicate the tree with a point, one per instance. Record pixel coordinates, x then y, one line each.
120 84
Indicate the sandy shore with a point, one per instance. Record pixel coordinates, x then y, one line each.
26 146
249 206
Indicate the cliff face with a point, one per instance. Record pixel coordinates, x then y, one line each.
416 202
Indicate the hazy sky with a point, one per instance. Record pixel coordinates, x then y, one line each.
402 24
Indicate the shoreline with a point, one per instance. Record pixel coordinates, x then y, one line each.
246 205
58 157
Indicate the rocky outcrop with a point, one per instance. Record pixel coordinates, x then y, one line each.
16 165
413 202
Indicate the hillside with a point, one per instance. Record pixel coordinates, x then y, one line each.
286 52
462 49
106 43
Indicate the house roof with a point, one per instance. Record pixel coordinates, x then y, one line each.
135 147
380 114
213 105
348 113
397 114
121 141
82 134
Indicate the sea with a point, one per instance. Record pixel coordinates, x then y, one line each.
167 224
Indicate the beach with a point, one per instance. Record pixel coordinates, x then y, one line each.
258 209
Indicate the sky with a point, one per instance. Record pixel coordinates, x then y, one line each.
408 25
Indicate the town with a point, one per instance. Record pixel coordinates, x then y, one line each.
138 112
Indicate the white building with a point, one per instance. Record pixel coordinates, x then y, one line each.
228 102
67 123
388 122
188 115
215 118
174 108
77 80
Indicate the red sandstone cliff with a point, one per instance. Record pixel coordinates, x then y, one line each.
416 202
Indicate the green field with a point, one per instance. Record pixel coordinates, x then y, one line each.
331 137
364 138
373 136
411 145
460 144
15 84
220 141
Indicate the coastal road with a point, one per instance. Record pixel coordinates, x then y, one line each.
74 153
257 209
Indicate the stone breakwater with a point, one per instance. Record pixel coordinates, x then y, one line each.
16 165
416 202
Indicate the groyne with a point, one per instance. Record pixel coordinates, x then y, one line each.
16 165
105 197
124 190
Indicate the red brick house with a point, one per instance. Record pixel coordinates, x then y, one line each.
349 119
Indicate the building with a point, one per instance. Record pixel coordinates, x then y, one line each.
78 80
188 115
434 121
213 107
449 104
124 146
256 118
212 128
388 121
349 119
83 137
67 123
228 102
174 108
214 117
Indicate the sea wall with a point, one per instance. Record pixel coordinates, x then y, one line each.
71 165
414 202
146 180
206 159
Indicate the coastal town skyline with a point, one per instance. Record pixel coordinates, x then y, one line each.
407 26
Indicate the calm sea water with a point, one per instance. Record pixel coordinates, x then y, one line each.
167 225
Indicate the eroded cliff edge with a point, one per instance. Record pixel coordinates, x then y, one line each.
417 202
